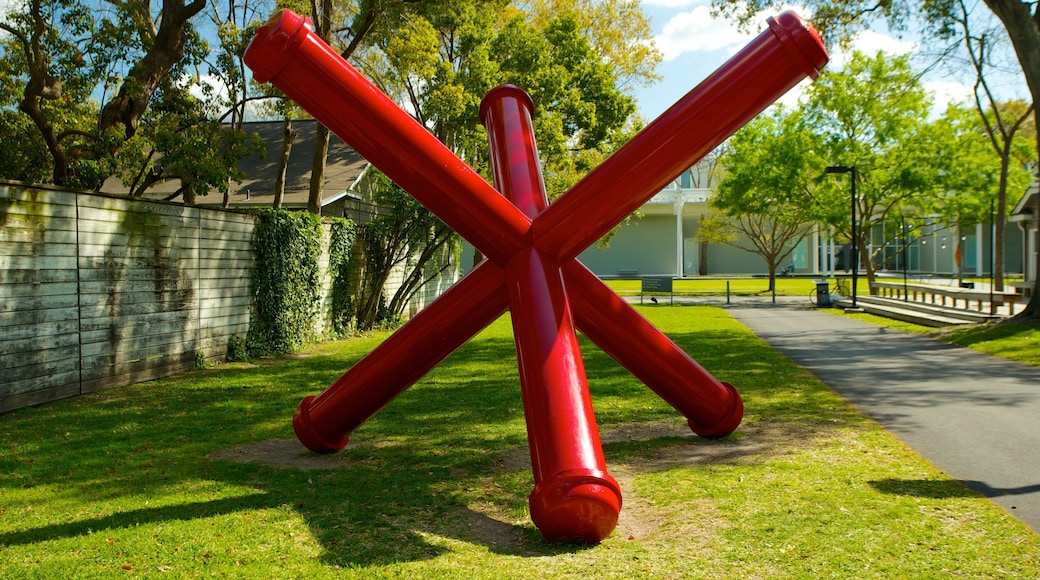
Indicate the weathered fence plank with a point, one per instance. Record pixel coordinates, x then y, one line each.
99 291
39 328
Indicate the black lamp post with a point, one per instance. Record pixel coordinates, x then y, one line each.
855 256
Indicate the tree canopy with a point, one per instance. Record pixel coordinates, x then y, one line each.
103 88
874 115
839 20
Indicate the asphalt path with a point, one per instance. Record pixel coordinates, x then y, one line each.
974 416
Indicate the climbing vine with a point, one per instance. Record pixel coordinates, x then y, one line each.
341 246
286 284
408 238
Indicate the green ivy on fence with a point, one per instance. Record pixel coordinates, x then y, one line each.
344 309
286 282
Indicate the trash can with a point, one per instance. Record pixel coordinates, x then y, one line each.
823 294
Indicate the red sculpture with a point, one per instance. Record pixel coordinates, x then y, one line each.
531 247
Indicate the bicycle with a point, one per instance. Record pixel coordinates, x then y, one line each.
837 291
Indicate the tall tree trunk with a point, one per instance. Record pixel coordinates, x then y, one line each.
1000 221
321 153
288 138
359 28
166 48
1023 27
41 86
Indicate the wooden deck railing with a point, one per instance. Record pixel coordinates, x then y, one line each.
940 294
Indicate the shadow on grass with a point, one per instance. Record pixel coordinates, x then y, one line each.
948 488
928 488
414 472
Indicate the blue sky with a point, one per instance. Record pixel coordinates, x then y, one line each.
694 44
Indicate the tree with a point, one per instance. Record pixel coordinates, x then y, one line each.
364 16
61 56
872 115
1001 121
613 29
406 239
1021 20
767 193
441 60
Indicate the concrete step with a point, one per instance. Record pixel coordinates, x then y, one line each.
973 316
917 312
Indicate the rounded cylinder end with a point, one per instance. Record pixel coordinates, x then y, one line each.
802 39
580 509
503 92
309 436
727 424
266 54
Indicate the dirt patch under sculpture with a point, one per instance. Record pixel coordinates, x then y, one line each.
638 519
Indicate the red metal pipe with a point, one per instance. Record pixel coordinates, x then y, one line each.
748 83
574 499
287 53
712 408
531 247
506 111
324 423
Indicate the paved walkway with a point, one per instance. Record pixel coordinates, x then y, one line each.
974 416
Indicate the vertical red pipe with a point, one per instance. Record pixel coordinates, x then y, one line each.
711 407
574 499
745 85
287 53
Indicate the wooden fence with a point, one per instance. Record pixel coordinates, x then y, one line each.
99 291
937 295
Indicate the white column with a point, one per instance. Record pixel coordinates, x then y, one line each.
830 252
680 201
979 252
817 249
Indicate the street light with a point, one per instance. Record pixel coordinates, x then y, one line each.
855 257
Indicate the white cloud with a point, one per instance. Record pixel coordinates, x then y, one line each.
696 30
946 92
6 6
870 43
670 3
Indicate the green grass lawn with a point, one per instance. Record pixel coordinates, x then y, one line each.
737 286
126 482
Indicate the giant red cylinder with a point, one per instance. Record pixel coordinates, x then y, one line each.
712 408
324 423
287 53
531 247
574 499
745 85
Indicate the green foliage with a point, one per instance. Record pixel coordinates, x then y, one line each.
178 140
286 246
767 192
408 237
341 246
839 20
873 115
771 165
59 57
25 154
237 349
446 56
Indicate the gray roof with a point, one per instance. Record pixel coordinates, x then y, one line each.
343 169
1025 208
